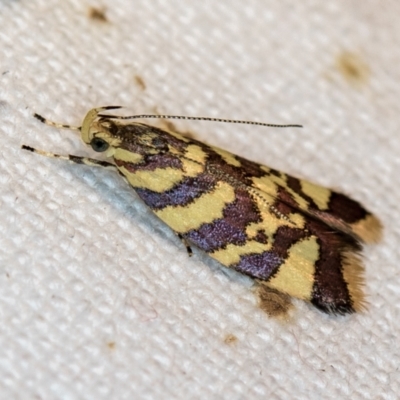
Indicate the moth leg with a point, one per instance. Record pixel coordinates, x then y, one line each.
186 244
74 159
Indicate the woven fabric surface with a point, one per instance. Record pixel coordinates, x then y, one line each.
98 298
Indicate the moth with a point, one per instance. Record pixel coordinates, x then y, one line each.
289 234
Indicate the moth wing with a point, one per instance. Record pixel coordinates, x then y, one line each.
290 251
248 217
334 209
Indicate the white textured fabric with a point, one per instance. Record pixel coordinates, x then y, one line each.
98 299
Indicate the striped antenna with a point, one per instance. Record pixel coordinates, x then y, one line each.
55 124
231 121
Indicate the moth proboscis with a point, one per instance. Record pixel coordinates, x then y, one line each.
294 236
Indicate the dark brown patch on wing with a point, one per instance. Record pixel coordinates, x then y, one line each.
231 229
185 192
330 290
346 209
131 136
152 162
295 185
265 265
261 237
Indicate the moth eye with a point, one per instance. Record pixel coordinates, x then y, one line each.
99 144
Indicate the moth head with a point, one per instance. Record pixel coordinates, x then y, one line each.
104 133
97 132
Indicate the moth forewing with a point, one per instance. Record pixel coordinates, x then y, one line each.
297 237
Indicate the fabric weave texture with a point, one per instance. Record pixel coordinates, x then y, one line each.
98 298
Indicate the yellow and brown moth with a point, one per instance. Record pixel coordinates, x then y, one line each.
292 235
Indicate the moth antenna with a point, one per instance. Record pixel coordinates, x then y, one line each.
230 121
55 124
